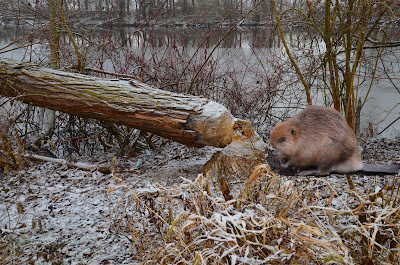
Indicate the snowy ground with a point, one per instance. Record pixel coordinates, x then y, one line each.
52 214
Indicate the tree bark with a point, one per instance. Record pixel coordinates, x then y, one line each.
190 120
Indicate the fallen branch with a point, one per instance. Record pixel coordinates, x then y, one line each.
80 165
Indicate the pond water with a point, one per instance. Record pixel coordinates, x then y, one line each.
252 48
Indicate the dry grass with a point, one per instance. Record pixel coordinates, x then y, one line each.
272 221
9 158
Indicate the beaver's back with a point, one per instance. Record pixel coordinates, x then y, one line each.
315 122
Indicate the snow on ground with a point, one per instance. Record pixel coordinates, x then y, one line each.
52 210
53 214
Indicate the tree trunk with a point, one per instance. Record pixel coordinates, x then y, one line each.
190 120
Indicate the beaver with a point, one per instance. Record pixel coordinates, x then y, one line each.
316 137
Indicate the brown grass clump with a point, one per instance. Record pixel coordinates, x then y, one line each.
9 157
272 221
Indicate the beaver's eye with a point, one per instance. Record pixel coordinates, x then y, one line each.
282 140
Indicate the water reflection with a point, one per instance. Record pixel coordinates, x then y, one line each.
191 37
252 47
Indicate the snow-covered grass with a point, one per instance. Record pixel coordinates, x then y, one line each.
53 214
274 220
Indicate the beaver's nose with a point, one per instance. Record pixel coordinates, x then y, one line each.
270 148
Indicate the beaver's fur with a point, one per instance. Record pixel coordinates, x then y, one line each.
317 137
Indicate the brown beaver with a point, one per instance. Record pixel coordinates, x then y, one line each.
316 137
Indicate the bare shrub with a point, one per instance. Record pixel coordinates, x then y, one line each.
250 82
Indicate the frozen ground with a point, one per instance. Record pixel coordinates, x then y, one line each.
52 214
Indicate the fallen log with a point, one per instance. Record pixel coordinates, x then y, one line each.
190 120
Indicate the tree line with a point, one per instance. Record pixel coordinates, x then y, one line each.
145 10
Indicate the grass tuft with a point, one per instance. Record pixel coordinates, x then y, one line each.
271 221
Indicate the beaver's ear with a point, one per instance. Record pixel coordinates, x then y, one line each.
293 132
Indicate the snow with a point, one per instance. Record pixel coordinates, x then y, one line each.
74 208
70 214
215 110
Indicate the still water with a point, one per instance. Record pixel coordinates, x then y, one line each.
245 51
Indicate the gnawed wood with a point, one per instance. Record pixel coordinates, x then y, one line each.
229 168
190 120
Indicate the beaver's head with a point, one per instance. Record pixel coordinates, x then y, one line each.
283 140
